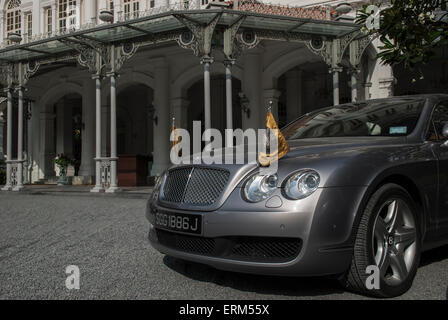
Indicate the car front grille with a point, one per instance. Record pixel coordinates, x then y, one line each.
195 185
254 249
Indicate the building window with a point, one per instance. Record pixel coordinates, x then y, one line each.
13 17
204 2
110 6
68 14
152 3
130 9
29 24
48 20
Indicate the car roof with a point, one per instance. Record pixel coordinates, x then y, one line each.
410 97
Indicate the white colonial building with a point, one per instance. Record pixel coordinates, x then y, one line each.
100 81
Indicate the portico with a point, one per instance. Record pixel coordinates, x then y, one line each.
227 42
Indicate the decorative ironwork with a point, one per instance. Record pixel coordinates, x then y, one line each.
231 48
186 38
14 173
202 44
92 54
357 49
343 43
317 43
30 69
105 165
7 75
324 51
123 53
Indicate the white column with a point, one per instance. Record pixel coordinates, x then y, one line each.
23 25
19 185
162 128
113 135
251 88
60 127
354 84
102 5
86 169
293 94
37 173
93 11
382 79
105 128
29 142
117 10
143 5
42 21
207 61
2 126
37 17
229 103
8 185
47 151
2 26
272 95
335 73
54 18
98 187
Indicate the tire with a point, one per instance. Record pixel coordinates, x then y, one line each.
396 253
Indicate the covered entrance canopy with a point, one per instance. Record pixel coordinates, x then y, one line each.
156 27
104 48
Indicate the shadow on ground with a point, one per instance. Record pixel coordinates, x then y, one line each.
269 285
434 255
286 286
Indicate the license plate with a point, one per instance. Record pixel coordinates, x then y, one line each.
187 223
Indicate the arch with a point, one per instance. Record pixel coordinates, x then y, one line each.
10 4
132 78
126 80
281 64
57 92
195 73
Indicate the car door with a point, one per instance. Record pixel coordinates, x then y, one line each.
438 119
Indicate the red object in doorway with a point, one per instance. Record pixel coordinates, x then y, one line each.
132 170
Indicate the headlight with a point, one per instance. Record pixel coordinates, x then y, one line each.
301 184
260 187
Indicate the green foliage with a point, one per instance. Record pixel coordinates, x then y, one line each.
63 161
410 31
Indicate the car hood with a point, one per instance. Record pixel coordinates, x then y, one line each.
337 145
322 154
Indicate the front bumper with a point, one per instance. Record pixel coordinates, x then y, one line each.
321 224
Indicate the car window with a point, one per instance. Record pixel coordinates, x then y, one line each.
397 117
438 119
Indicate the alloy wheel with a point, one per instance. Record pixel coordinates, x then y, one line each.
394 241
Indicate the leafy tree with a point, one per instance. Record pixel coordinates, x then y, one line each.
410 31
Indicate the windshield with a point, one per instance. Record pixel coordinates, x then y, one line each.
376 118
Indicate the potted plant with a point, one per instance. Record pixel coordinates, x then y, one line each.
62 162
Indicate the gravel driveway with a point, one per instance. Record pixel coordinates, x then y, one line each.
105 236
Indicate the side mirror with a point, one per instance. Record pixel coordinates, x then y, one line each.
445 130
445 134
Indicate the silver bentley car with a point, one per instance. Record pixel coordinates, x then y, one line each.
363 191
